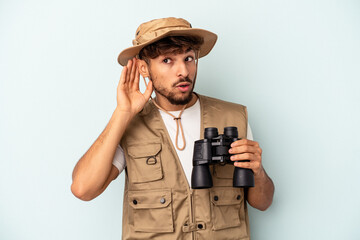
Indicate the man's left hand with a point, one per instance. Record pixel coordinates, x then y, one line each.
245 149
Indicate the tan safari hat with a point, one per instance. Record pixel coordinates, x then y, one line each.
157 29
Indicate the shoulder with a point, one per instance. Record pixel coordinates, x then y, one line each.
149 110
142 119
142 125
220 114
220 104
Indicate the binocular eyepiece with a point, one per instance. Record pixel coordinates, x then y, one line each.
214 149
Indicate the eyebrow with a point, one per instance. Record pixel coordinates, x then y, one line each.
189 50
172 53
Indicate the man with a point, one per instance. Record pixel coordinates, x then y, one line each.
156 144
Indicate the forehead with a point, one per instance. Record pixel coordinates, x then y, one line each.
177 52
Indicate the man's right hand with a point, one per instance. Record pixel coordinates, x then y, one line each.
94 171
129 97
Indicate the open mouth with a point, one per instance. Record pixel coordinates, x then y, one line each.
183 87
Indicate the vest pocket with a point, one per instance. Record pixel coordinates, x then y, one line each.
152 210
225 206
144 163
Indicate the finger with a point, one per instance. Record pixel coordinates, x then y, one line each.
123 76
245 149
133 70
129 64
244 142
243 164
255 166
148 91
246 156
137 78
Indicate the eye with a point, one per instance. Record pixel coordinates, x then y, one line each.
189 58
167 60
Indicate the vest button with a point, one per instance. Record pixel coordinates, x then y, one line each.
238 197
162 200
216 198
200 226
134 202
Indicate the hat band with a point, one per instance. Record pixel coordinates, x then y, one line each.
151 35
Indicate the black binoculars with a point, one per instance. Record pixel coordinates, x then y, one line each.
214 149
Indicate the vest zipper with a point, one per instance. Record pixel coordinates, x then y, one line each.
192 212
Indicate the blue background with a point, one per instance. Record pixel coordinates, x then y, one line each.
295 64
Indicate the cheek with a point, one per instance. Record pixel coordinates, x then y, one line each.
157 80
162 77
192 68
158 73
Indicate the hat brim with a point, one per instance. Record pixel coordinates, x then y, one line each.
209 42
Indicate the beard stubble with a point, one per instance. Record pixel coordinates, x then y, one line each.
170 96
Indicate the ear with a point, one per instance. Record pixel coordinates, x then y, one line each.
143 68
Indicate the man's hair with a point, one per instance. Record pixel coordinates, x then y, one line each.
171 45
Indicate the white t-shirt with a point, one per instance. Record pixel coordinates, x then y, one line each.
190 120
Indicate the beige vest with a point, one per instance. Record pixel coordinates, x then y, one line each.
158 202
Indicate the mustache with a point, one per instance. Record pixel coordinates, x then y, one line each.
183 80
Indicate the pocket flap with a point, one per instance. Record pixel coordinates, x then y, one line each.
149 199
223 197
145 150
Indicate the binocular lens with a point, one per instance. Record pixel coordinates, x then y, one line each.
210 133
231 132
201 177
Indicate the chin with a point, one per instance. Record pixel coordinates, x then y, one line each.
181 100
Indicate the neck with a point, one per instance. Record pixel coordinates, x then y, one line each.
165 104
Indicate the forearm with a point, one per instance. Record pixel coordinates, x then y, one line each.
261 195
92 171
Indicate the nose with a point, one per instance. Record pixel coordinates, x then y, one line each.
182 70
